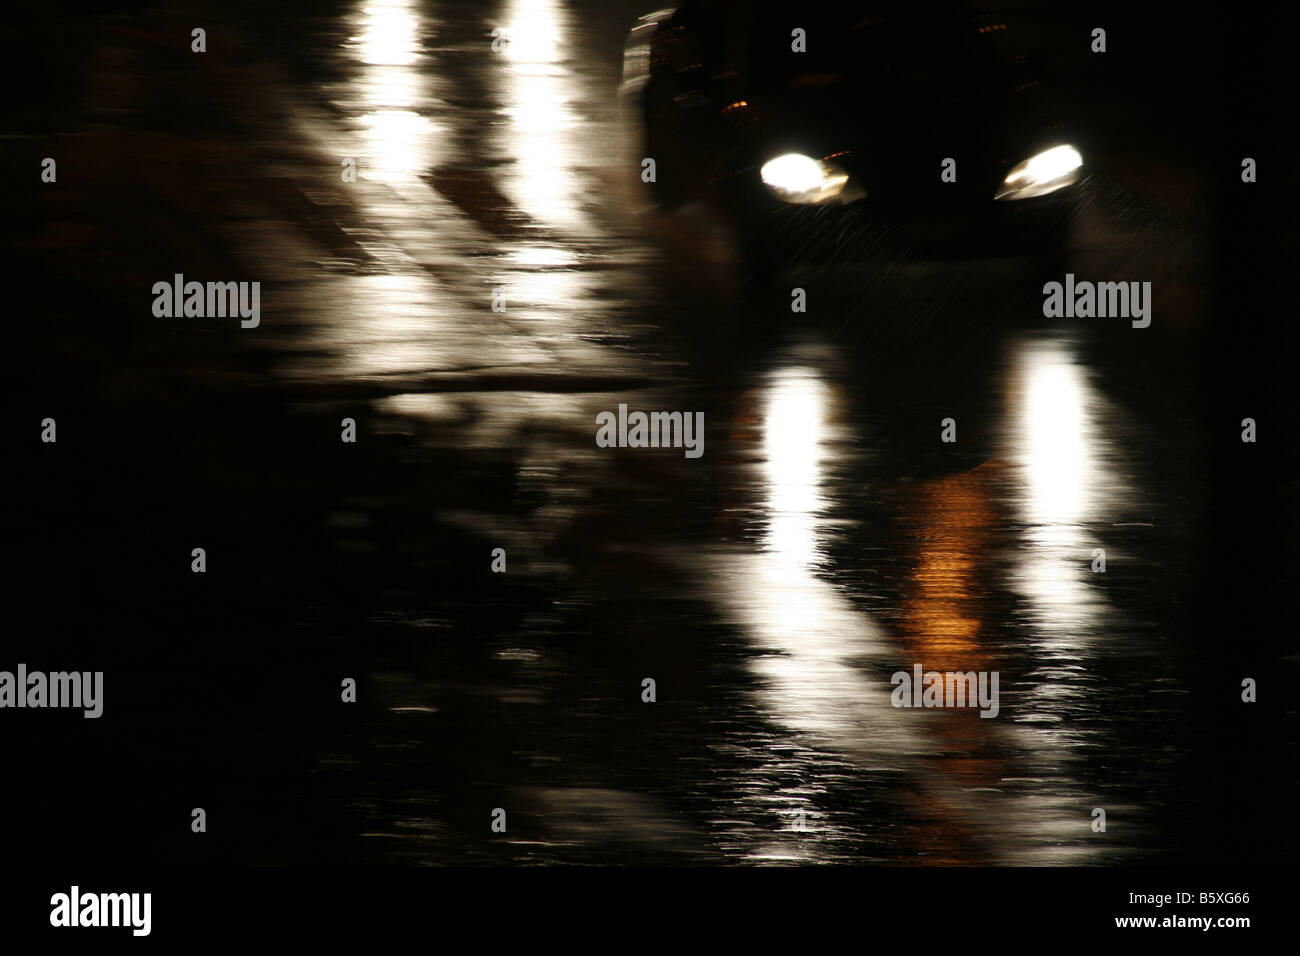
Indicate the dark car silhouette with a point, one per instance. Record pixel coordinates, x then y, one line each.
835 131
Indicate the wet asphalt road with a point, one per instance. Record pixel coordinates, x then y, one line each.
825 539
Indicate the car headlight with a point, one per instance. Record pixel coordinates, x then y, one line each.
1045 173
801 179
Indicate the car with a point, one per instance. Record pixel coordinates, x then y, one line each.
835 132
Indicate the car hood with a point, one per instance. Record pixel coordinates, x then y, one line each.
891 96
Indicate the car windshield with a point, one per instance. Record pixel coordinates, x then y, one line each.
868 43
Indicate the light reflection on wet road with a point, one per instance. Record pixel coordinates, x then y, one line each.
483 172
826 539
